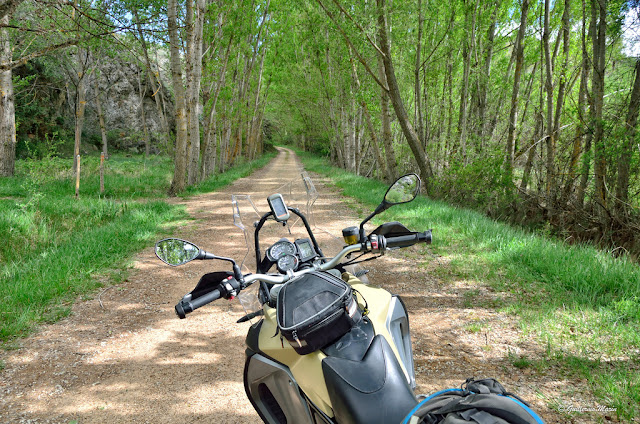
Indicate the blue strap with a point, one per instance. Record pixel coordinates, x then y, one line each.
526 408
406 419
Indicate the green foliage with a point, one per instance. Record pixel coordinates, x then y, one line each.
40 122
483 184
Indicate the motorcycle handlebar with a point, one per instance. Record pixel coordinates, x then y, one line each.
408 240
391 242
185 307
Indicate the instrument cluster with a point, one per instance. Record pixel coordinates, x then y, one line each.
288 256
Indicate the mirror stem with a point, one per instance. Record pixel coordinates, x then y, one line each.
381 208
237 273
206 255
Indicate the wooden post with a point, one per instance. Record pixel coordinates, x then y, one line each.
102 173
77 176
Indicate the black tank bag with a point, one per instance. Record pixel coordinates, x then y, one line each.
316 309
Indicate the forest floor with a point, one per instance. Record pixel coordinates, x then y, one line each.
123 356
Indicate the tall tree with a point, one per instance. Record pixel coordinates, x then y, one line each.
396 97
624 159
385 118
195 25
152 77
518 52
180 160
7 106
550 136
599 15
580 132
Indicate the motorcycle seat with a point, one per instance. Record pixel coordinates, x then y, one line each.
373 390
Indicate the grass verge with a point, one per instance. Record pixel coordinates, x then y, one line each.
56 247
581 303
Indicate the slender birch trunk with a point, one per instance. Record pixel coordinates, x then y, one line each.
81 103
7 106
103 127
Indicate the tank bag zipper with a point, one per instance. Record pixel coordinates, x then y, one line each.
295 337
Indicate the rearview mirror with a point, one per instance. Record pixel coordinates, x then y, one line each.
404 190
176 252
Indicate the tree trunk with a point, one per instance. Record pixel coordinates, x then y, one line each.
624 160
563 82
376 147
210 123
518 51
154 80
486 75
143 116
582 118
194 30
81 103
209 148
448 148
587 154
180 163
387 136
255 120
7 106
468 49
103 128
416 78
600 160
526 173
396 98
550 135
225 141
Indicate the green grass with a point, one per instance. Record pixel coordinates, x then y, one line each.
577 300
56 247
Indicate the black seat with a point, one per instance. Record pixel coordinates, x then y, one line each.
371 391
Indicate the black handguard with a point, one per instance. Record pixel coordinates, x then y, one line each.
408 240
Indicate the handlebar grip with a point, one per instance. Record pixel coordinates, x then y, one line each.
408 240
186 307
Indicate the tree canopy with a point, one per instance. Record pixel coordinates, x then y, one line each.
526 110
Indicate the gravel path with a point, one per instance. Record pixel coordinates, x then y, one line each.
123 356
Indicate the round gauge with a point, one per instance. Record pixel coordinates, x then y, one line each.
287 262
280 249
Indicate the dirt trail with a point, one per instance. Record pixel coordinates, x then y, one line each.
123 356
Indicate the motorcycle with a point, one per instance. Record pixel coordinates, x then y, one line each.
347 364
